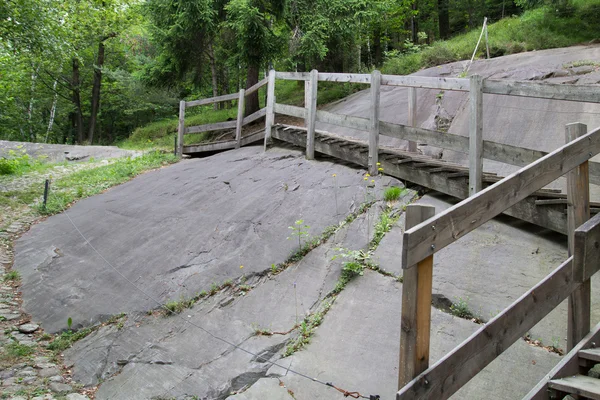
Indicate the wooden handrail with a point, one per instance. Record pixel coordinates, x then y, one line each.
210 100
553 91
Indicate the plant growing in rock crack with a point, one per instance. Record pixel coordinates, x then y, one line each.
392 193
177 306
460 309
299 229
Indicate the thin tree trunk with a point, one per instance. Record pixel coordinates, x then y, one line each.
414 26
444 19
52 111
228 104
96 91
213 72
252 103
30 108
78 115
378 47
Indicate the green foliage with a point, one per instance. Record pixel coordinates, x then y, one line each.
461 309
17 163
392 193
14 352
300 230
177 306
67 338
12 275
306 329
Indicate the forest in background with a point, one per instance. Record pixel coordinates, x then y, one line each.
94 71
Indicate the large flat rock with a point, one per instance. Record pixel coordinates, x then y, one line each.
356 349
178 230
64 152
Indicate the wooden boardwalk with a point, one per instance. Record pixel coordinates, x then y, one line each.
203 148
546 207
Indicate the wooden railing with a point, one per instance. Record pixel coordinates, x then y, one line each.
237 124
473 144
429 234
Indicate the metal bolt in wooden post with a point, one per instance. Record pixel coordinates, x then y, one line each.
374 128
476 135
578 212
270 116
311 110
412 115
416 306
240 118
181 128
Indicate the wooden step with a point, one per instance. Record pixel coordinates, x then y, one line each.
590 354
579 384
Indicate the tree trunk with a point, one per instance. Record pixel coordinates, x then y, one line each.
377 47
252 104
213 72
228 104
96 91
30 108
77 115
444 19
414 26
52 111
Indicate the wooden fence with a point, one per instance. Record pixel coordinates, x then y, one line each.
237 124
427 234
473 144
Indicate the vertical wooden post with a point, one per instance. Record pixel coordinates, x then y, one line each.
412 115
181 128
578 212
270 117
476 135
416 306
240 118
374 131
311 111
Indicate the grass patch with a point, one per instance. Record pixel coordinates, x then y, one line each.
541 28
306 329
14 353
93 181
392 193
177 306
461 309
18 162
12 276
66 339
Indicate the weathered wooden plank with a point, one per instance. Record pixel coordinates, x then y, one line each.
587 247
254 116
476 135
270 116
215 146
590 354
412 116
578 211
588 94
253 137
181 128
240 118
211 127
426 82
568 366
579 385
341 77
454 370
210 100
457 221
293 76
312 115
432 138
292 111
346 121
550 202
416 307
257 86
374 125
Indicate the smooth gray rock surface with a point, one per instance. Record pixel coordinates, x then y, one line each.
178 230
64 152
356 348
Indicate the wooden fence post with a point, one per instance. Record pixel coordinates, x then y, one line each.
181 128
311 110
416 306
476 135
270 116
412 115
374 128
240 118
578 212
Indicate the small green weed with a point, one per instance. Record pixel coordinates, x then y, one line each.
299 229
461 309
12 275
177 306
392 193
306 329
67 338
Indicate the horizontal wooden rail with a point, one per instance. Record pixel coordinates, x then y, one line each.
210 100
433 235
588 94
211 127
293 111
341 77
433 138
454 370
293 76
254 116
347 121
426 82
587 248
256 86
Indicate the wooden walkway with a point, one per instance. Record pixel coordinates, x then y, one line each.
196 149
546 207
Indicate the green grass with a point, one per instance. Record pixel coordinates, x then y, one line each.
18 162
392 193
177 306
93 181
66 339
538 29
12 276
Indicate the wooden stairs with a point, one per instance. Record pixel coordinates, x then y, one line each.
574 375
